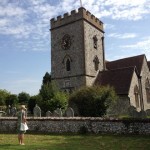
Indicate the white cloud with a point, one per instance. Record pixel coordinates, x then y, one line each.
124 2
132 13
109 26
40 12
4 22
11 11
142 45
122 36
117 9
30 18
37 2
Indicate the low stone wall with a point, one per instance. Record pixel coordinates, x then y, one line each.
78 125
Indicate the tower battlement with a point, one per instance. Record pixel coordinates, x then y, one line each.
82 13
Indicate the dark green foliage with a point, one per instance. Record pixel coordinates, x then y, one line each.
32 102
135 114
47 90
3 96
11 100
23 98
51 97
47 78
93 101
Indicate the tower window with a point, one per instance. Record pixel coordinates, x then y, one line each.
96 63
67 62
95 42
68 65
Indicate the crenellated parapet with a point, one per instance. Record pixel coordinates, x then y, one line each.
82 13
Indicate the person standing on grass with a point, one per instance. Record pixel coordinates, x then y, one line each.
21 119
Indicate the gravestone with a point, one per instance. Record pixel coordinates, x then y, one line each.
8 111
132 112
55 114
59 112
13 111
37 111
69 112
148 112
2 113
48 114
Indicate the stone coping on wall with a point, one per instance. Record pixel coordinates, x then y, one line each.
82 119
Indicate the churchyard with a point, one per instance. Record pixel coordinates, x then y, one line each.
63 131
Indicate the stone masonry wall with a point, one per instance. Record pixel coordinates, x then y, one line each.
145 73
131 92
78 125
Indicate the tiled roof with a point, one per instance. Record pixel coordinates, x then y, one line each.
120 79
126 62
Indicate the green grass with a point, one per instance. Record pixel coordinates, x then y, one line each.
75 142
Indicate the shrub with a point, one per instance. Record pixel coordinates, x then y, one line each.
92 101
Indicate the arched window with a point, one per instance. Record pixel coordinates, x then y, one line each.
147 87
136 93
68 65
67 62
95 41
96 63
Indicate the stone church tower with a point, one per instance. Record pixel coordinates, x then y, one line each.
77 49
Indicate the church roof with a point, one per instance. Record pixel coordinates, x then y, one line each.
126 62
120 79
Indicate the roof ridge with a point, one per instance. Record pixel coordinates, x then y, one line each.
125 58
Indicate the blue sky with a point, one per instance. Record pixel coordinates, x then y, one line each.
25 36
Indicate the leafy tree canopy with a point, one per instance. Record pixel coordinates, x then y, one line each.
46 78
92 101
51 97
32 102
3 96
11 100
23 97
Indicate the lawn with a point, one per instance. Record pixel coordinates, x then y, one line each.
75 142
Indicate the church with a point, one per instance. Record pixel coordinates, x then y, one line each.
78 59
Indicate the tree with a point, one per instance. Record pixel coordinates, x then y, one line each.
11 100
51 97
46 78
32 102
23 97
3 96
48 89
92 101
